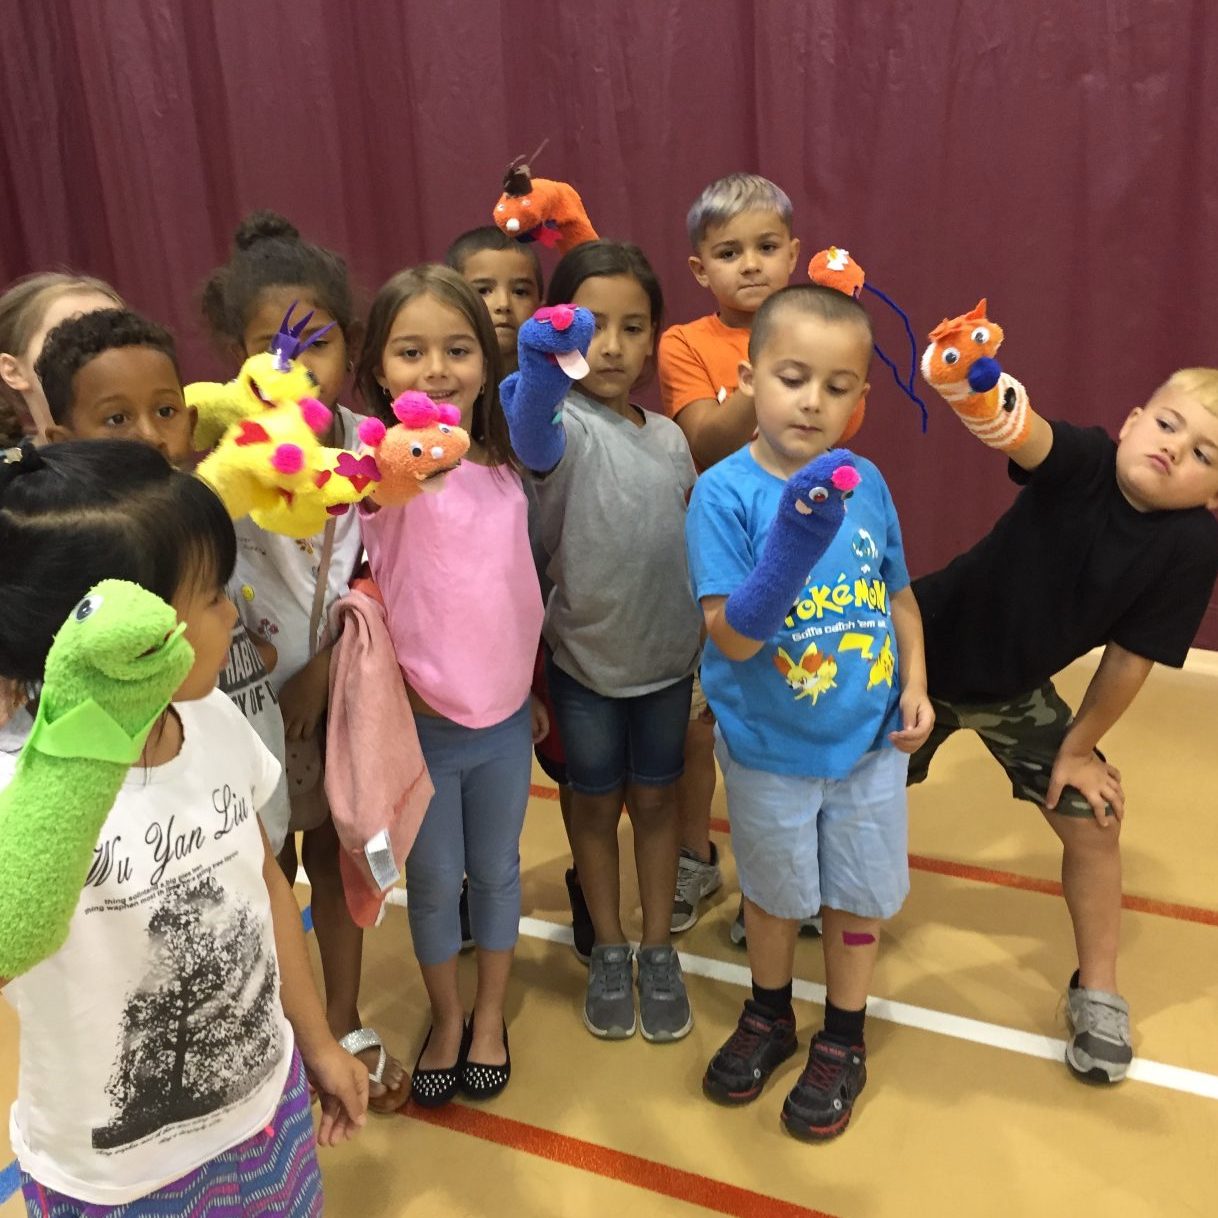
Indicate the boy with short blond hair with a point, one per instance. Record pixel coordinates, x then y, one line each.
1108 545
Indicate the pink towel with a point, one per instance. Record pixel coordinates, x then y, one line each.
376 778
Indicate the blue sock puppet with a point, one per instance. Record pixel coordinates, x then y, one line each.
810 512
552 345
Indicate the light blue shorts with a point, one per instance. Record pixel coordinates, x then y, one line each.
801 843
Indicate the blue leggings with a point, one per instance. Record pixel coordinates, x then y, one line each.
472 827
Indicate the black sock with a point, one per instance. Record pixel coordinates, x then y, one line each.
776 1003
844 1027
1074 980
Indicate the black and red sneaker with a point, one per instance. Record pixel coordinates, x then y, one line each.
760 1044
820 1103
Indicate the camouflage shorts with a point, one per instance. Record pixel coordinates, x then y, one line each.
1024 736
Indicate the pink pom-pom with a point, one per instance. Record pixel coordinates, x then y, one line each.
288 459
316 414
559 316
371 432
845 478
446 412
415 409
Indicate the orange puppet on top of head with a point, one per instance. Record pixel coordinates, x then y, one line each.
538 209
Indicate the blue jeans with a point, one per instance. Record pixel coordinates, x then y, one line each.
472 827
611 742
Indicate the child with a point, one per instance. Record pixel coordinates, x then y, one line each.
621 630
799 670
464 611
743 251
111 374
506 274
1107 545
164 1003
30 309
270 270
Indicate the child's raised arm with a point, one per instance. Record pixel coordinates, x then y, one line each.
552 346
110 674
810 512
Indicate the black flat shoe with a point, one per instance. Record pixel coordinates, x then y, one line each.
482 1082
434 1088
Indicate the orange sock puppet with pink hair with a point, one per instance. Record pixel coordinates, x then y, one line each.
959 365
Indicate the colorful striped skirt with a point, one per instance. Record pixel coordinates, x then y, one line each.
274 1174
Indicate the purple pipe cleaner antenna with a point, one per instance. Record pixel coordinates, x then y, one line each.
287 345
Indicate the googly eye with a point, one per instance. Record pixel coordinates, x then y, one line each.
501 208
818 494
526 202
416 450
951 356
981 336
88 607
444 427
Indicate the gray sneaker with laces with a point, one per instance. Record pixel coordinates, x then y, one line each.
1099 1049
696 881
609 999
663 1003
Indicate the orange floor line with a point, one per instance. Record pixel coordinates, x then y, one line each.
1004 879
659 1178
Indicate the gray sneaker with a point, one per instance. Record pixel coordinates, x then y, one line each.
663 1003
609 1000
1099 1049
696 880
809 926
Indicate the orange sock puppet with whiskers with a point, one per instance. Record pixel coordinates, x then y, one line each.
959 364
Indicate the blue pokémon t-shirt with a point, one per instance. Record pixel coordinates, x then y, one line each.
825 689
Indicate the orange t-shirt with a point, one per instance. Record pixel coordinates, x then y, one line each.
700 359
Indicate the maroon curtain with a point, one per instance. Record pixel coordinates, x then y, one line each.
1061 159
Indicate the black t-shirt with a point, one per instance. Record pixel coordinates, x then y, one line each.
1072 565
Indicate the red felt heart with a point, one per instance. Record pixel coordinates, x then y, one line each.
251 433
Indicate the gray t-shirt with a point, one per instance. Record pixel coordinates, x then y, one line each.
621 618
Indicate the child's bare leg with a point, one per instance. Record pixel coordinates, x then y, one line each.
1091 881
653 814
494 971
696 788
447 1015
339 941
594 820
771 946
286 858
851 946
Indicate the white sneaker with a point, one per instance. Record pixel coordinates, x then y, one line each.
696 881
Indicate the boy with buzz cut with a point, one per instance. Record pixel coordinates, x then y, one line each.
814 669
1107 545
743 251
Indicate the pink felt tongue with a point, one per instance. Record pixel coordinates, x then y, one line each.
573 364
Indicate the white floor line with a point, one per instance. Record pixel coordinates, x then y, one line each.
995 1036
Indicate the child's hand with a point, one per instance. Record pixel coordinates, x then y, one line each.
1095 780
304 697
540 719
917 719
551 345
810 512
342 1086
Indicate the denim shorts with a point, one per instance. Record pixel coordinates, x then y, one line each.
611 742
801 843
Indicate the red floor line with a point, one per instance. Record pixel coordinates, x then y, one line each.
654 1177
1007 879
